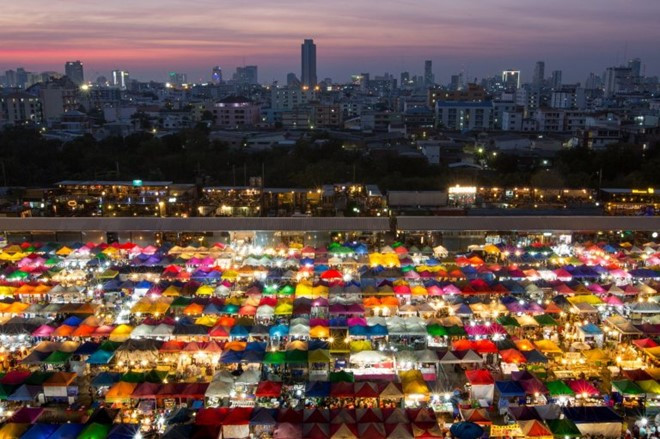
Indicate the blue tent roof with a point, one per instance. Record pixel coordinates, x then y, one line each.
40 431
72 321
100 357
279 331
317 389
358 331
377 330
239 331
67 431
253 356
105 379
591 329
87 348
25 393
591 414
466 430
123 431
143 285
509 389
316 343
256 346
231 357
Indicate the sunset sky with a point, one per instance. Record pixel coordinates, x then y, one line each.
151 37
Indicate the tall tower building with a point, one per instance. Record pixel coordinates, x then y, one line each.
216 75
539 74
555 81
119 78
308 59
74 70
636 66
429 80
511 79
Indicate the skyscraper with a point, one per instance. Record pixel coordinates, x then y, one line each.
177 79
555 81
636 66
120 78
308 59
511 79
74 70
246 75
216 75
539 74
429 80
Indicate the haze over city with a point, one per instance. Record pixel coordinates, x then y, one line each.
150 38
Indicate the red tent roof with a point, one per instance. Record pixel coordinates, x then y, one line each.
268 389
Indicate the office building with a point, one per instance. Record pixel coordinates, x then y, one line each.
20 108
429 79
555 80
74 70
292 80
617 80
216 75
177 79
635 65
236 112
539 74
120 78
308 59
463 116
511 79
246 75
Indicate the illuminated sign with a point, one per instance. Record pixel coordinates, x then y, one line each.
137 183
463 190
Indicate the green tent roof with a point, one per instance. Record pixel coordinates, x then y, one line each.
270 289
58 357
546 320
342 376
37 378
287 289
456 330
133 377
436 330
296 356
508 321
274 358
95 431
563 428
557 388
155 376
181 302
627 387
109 346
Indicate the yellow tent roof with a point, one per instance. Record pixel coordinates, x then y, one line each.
585 298
318 356
412 383
283 308
13 430
206 321
120 392
595 355
141 306
319 332
491 249
360 345
121 333
649 386
205 290
64 251
230 275
547 346
172 291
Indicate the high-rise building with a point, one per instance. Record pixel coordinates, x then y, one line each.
246 75
292 80
539 74
177 79
21 77
635 66
511 79
429 79
216 75
618 79
74 70
10 78
555 80
308 59
119 78
593 82
405 79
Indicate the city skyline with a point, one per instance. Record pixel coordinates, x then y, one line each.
150 42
